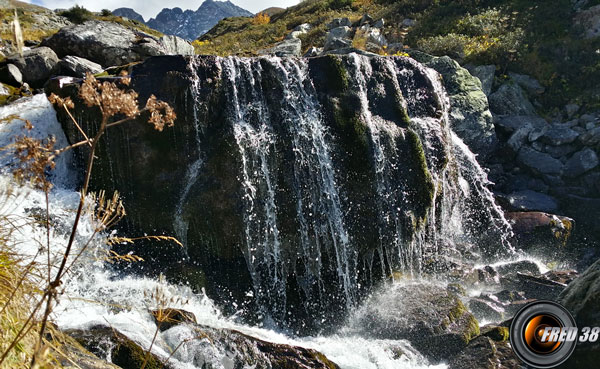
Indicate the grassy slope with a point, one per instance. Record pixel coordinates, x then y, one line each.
534 37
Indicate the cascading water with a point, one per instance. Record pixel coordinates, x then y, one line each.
95 295
294 191
290 193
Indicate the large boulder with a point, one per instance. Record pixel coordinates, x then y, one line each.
486 74
511 100
470 116
535 229
108 43
528 200
174 45
581 162
434 320
36 65
75 66
582 298
589 21
539 162
337 38
288 47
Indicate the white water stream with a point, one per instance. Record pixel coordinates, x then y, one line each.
95 295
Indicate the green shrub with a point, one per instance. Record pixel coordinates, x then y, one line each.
77 14
337 4
106 13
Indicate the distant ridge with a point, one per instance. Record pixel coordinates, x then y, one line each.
129 13
190 24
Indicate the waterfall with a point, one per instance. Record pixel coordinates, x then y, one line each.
293 198
180 224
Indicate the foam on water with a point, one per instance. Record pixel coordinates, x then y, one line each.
95 295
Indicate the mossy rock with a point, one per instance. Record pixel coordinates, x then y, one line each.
435 321
104 341
497 333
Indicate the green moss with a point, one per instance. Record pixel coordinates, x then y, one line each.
337 73
499 334
420 180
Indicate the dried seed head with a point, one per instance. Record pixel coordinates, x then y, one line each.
161 113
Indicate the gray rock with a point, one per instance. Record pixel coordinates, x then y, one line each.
560 151
339 22
366 19
313 51
174 45
470 117
571 109
532 201
559 135
299 31
581 298
407 22
591 137
11 75
109 44
519 138
485 73
588 118
380 23
589 126
337 38
536 133
36 65
292 47
395 48
582 162
589 21
75 66
528 83
374 36
539 162
512 123
304 27
511 100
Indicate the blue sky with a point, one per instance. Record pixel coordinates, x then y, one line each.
149 8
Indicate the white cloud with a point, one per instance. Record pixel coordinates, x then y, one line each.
149 8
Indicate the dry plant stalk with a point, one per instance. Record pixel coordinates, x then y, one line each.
18 43
36 157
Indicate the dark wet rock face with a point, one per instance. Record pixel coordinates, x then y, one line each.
300 199
582 299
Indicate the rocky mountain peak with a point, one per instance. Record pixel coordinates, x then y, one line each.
191 24
129 13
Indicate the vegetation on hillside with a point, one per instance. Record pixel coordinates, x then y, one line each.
35 29
532 37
